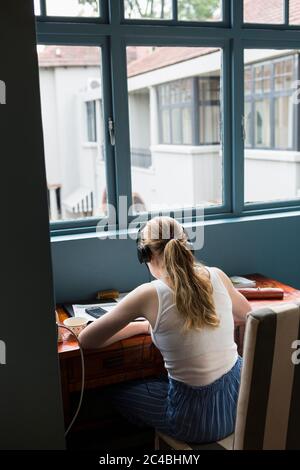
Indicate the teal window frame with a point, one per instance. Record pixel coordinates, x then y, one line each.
113 34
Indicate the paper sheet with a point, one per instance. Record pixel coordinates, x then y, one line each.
79 310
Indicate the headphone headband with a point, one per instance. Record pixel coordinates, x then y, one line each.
144 253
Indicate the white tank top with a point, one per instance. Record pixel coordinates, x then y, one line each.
197 357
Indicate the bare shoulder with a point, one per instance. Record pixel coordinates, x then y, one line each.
142 299
145 291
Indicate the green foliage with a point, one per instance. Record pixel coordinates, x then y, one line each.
197 9
187 9
94 3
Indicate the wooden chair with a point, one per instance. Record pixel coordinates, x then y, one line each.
268 411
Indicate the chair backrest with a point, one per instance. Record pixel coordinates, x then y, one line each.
268 412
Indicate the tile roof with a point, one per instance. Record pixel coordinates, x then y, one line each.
68 56
165 56
264 11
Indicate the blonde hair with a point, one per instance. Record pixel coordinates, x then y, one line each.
165 237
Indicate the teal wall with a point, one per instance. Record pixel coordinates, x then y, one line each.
269 245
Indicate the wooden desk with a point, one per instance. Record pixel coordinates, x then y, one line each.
135 357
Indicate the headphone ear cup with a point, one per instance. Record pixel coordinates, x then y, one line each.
147 254
144 254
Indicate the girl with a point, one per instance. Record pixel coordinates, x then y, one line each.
189 310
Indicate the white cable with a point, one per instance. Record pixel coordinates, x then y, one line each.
82 377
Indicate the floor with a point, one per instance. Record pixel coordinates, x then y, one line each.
99 427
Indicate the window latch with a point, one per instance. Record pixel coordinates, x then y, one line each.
244 128
111 129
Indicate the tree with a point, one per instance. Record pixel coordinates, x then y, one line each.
197 9
187 9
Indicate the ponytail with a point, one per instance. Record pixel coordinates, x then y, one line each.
165 237
193 291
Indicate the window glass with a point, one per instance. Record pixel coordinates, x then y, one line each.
176 126
71 99
248 124
148 10
294 12
262 123
166 127
187 137
174 114
200 10
37 7
283 119
75 8
267 11
271 125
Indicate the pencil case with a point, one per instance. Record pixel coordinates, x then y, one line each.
252 293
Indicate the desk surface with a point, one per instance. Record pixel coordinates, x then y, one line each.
69 346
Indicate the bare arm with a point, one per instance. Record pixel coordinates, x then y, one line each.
240 305
118 323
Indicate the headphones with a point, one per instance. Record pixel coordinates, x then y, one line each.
144 253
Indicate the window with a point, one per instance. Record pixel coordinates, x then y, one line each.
144 100
174 126
71 98
37 7
193 10
202 10
144 9
294 17
185 103
271 125
268 11
269 113
72 8
175 101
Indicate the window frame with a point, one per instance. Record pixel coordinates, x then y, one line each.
113 34
272 95
101 19
193 105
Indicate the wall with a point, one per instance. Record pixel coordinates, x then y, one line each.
267 245
30 397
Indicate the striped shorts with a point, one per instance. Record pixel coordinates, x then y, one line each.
190 413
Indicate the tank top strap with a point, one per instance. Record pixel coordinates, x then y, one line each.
165 299
216 281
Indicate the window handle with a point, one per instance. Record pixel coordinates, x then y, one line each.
111 129
244 127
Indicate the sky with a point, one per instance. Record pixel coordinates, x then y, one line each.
65 8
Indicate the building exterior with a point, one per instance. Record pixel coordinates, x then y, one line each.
175 116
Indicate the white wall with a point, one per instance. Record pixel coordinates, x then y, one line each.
271 175
139 113
68 161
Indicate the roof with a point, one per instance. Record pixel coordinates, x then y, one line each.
269 11
69 56
165 56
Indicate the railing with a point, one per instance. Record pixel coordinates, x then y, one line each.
54 201
85 207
